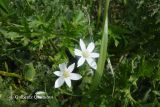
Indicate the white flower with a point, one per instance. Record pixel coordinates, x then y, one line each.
65 75
86 54
40 94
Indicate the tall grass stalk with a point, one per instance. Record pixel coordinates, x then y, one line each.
103 50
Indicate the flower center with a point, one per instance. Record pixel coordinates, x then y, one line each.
85 54
66 74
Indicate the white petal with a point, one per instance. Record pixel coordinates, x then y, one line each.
94 55
82 45
40 94
92 63
58 73
81 61
74 76
62 66
68 81
59 82
71 67
77 52
91 47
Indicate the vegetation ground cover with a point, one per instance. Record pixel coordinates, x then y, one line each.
36 36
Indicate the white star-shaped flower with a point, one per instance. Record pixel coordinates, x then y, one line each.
65 75
86 54
40 94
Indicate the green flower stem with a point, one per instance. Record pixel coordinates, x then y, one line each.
103 51
3 73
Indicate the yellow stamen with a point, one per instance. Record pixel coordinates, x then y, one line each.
85 54
66 74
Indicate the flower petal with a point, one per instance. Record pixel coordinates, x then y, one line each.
40 94
58 73
62 66
77 52
59 82
94 55
91 47
81 61
68 81
74 76
92 63
82 45
71 67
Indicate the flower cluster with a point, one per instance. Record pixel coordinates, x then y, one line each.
85 54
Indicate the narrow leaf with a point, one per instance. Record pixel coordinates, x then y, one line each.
103 51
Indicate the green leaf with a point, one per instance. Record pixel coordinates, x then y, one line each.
146 69
156 92
116 42
10 35
4 6
103 51
29 72
54 103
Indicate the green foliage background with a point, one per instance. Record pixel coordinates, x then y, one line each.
37 35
